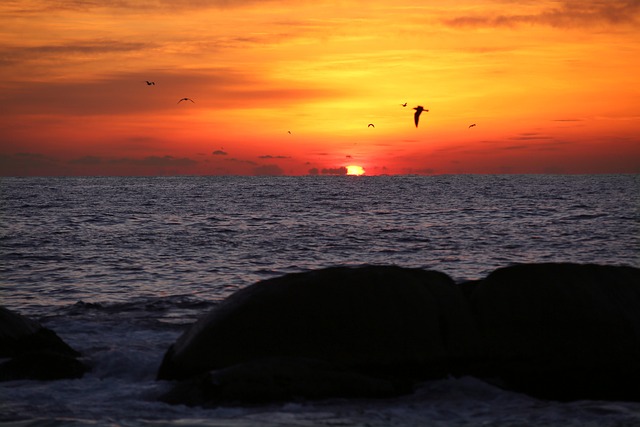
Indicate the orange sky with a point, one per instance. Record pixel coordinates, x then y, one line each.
552 86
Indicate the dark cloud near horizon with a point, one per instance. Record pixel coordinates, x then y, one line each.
219 153
269 156
20 164
27 158
568 14
328 171
248 162
268 170
24 163
334 171
87 161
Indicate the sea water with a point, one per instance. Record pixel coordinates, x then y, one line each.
120 266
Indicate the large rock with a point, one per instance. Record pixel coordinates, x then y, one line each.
556 331
373 320
562 331
33 351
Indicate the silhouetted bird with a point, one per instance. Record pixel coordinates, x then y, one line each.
150 83
404 105
186 99
419 109
370 125
470 126
289 132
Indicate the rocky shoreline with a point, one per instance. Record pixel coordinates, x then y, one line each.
557 331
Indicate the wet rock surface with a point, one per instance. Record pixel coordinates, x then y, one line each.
562 331
554 331
31 351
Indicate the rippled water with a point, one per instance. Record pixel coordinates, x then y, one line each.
118 266
105 239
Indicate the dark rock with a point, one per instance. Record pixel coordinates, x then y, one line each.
562 331
20 335
373 319
42 365
280 379
34 352
554 331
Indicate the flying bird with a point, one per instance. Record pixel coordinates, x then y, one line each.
472 125
186 99
419 109
150 83
404 105
289 132
370 125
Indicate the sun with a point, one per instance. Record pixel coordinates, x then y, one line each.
354 170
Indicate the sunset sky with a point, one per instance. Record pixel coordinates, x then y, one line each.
288 87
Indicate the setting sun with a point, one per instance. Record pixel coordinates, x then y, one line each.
354 170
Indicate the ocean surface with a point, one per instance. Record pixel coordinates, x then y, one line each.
119 267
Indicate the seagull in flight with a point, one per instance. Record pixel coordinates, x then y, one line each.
370 125
186 99
404 105
419 109
471 125
150 83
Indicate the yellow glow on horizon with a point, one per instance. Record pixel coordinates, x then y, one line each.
355 170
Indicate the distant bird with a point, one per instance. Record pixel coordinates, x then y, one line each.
370 125
419 109
404 105
472 125
289 132
186 99
150 83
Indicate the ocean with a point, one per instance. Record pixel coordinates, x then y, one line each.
119 266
